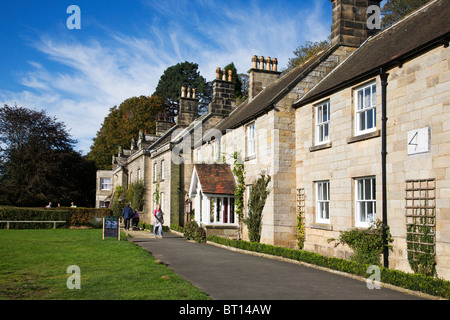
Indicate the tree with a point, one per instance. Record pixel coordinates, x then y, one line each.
38 163
123 123
239 90
394 10
256 204
170 83
305 52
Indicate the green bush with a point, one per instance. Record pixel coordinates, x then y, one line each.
367 244
415 282
192 231
72 216
84 216
33 214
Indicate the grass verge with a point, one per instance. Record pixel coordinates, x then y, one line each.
33 266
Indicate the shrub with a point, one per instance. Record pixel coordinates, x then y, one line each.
33 214
85 216
192 231
367 244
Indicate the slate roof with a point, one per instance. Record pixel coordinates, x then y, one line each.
265 100
387 48
215 178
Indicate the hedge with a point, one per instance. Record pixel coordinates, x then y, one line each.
72 216
416 282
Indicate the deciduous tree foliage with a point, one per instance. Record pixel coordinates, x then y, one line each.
394 10
123 123
304 52
38 163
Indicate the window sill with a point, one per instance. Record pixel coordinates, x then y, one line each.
364 136
320 147
248 158
321 226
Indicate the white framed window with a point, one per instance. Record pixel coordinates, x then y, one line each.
105 183
322 116
365 109
155 172
365 201
163 174
103 204
251 142
323 201
139 174
222 210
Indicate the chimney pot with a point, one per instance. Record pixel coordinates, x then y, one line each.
189 92
230 75
274 64
254 62
193 93
261 62
218 73
183 91
268 62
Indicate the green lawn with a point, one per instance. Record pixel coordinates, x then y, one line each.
33 265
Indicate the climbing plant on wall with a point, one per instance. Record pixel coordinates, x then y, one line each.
239 172
256 204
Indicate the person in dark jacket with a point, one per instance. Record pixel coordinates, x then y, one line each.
135 220
127 214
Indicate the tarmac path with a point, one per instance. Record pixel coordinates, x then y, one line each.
228 275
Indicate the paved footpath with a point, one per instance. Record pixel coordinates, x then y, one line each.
228 275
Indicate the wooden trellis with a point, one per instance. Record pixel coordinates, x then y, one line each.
420 216
300 217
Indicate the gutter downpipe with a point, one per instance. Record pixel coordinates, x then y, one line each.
384 83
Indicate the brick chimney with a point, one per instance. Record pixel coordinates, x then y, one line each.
350 17
188 110
223 101
263 72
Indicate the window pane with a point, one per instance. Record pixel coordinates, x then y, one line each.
360 189
367 97
369 119
319 115
360 99
362 121
368 190
325 113
326 214
374 95
373 190
362 212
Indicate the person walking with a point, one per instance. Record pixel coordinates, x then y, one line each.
135 221
127 214
158 221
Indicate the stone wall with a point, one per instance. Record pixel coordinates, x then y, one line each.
417 97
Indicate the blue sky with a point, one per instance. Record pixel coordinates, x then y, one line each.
123 47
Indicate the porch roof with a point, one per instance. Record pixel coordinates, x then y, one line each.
215 178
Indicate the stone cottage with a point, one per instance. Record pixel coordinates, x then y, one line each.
357 133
